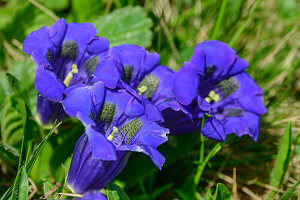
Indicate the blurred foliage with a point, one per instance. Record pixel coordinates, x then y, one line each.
266 33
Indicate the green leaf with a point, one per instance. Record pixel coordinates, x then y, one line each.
15 84
9 154
21 19
38 149
114 192
222 192
288 194
84 11
20 189
47 185
58 5
126 25
288 8
13 120
282 159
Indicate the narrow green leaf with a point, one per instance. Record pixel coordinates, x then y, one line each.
114 192
222 192
9 154
219 20
126 25
6 195
13 120
282 159
202 165
38 149
244 25
14 83
20 189
288 194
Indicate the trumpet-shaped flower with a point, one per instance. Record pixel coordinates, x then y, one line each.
215 79
66 54
116 124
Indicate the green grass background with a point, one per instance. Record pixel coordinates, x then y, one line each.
266 33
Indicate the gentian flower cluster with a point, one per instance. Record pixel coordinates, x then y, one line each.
215 80
116 124
129 103
65 55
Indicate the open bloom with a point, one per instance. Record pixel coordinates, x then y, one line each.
116 123
138 71
92 195
65 55
214 79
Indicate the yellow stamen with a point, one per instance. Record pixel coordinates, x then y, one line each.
212 96
70 75
208 99
142 89
111 136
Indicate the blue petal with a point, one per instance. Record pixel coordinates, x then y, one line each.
81 33
107 72
213 129
98 45
78 100
84 99
46 81
137 57
38 41
217 54
93 196
152 113
186 84
57 32
101 147
249 124
134 108
198 60
150 134
164 89
157 158
49 111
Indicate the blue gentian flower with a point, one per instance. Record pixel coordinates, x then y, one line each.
116 124
215 80
65 55
138 71
92 195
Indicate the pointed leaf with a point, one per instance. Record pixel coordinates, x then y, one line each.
114 192
222 192
282 159
20 189
126 25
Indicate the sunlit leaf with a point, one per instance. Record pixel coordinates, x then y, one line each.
114 192
126 25
282 159
222 192
20 189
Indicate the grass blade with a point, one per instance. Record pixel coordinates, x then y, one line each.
244 25
219 20
202 165
288 194
114 192
39 148
20 189
222 192
282 159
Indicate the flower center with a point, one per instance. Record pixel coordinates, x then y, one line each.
212 96
142 89
114 131
148 86
70 75
127 73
